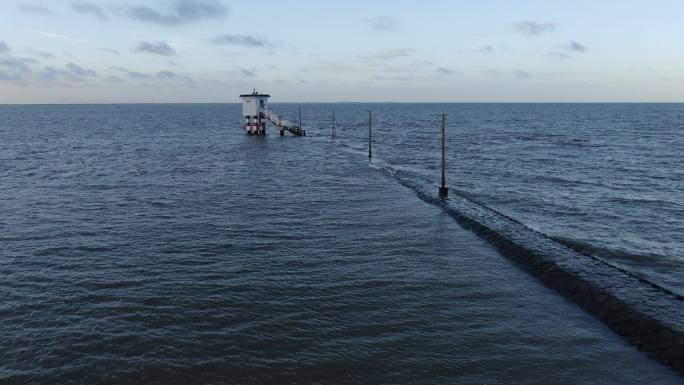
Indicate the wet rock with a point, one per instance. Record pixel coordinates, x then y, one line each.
649 316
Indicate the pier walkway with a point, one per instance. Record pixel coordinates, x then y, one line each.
280 123
648 316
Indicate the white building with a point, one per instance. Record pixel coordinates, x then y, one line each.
251 105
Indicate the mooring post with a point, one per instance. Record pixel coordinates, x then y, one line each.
443 190
370 142
333 127
300 116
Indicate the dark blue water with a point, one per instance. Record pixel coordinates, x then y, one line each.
604 178
159 244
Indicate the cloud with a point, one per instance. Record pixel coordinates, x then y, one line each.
446 71
241 40
576 47
519 74
169 75
43 54
36 9
248 72
21 65
381 23
112 51
393 78
671 79
332 66
90 9
559 55
12 68
486 49
79 71
178 12
6 76
393 61
159 48
387 61
532 29
136 75
132 74
115 80
56 36
394 53
71 72
572 47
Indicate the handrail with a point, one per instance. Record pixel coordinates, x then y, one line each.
281 123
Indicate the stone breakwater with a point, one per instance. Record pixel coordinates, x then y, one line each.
649 316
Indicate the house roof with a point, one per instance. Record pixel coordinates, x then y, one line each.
255 95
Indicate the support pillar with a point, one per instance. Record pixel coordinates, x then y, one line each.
443 190
370 142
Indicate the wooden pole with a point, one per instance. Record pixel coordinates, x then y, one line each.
370 142
443 190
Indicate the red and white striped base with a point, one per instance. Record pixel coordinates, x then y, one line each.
255 125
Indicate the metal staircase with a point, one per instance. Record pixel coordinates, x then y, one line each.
281 123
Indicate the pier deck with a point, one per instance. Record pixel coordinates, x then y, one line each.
280 123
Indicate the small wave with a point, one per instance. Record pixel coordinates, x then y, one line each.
562 180
49 251
614 254
108 285
413 180
94 247
158 202
640 200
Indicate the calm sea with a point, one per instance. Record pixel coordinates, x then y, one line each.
160 244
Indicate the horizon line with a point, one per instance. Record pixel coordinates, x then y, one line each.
339 102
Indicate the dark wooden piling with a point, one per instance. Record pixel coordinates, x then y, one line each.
443 190
370 142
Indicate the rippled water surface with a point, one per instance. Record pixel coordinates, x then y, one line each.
159 244
603 178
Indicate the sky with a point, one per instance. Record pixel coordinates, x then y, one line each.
159 51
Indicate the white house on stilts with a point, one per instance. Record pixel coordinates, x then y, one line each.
255 112
251 110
